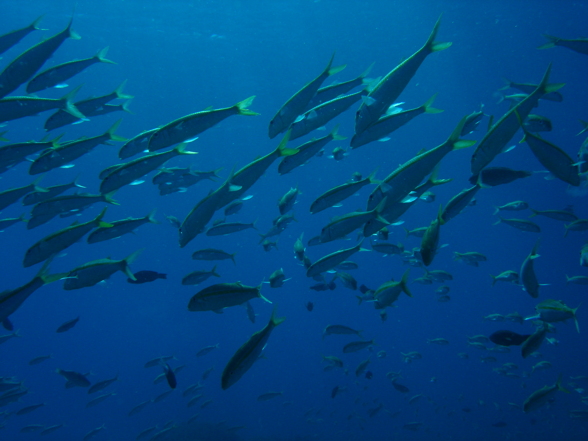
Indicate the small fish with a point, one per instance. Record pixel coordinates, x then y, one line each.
269 396
520 224
357 346
170 376
310 306
68 325
146 276
206 350
542 396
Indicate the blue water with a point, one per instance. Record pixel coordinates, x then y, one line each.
181 57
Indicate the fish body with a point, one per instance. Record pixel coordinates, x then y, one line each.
562 215
537 123
269 396
332 91
348 223
502 132
391 86
527 274
472 121
23 67
62 72
120 228
66 153
506 276
60 240
68 325
396 186
553 158
339 193
101 385
99 399
389 292
340 330
16 107
520 224
330 261
74 378
190 126
458 203
212 254
356 346
493 176
12 38
197 277
389 123
12 154
533 343
50 192
579 45
137 168
286 202
512 206
322 114
430 240
9 197
96 271
508 338
296 104
226 228
542 396
39 360
170 376
146 276
248 353
136 145
306 151
387 249
224 295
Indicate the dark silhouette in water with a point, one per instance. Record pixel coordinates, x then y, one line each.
508 338
146 276
400 387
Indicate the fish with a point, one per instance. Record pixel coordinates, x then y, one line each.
277 278
68 325
66 153
330 261
506 276
340 330
512 206
206 350
60 240
213 254
389 292
527 274
542 396
388 249
508 338
505 128
226 228
458 203
339 193
397 185
562 215
341 226
553 311
520 224
385 125
307 151
531 344
49 192
553 158
9 197
23 67
286 202
244 358
197 277
537 123
391 86
136 144
62 72
99 399
137 168
74 378
400 387
494 176
138 408
96 271
12 38
170 376
296 104
269 396
430 240
472 121
438 341
39 360
356 346
51 429
101 385
224 295
92 433
190 126
120 228
146 276
579 45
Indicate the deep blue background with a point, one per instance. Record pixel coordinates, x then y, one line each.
180 57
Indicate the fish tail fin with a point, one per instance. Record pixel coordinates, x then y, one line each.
427 106
108 197
101 54
552 41
260 295
44 275
151 217
233 258
275 321
372 177
545 87
454 138
127 261
113 136
584 123
333 70
535 212
242 107
282 150
404 283
119 92
35 25
335 135
576 318
69 106
431 44
101 215
493 279
125 107
76 184
3 139
213 272
71 33
559 386
496 210
507 84
181 150
366 72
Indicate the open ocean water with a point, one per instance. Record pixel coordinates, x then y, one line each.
180 57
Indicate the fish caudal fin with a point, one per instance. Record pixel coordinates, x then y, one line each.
431 44
242 107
